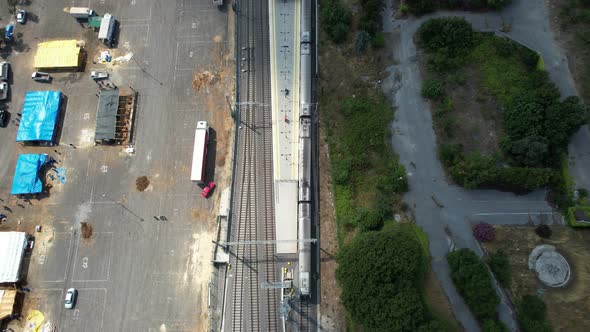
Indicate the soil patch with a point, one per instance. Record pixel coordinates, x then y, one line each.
470 116
142 183
87 230
566 306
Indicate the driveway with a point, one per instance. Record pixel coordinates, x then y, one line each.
446 211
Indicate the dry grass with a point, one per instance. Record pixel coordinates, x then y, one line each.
567 307
475 120
202 79
438 302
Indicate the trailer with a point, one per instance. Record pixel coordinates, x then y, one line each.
80 13
107 29
200 152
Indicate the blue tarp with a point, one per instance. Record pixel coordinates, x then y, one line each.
39 116
26 176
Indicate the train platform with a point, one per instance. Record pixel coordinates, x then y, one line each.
284 60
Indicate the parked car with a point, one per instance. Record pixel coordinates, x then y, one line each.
3 90
4 67
3 118
9 32
207 190
40 76
99 75
70 300
21 16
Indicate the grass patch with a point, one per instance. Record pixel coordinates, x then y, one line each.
565 306
574 19
500 125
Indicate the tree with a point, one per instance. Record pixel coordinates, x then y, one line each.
544 231
484 232
493 326
563 119
532 151
379 273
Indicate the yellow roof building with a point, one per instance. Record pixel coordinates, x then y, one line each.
57 54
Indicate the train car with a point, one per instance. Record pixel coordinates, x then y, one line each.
305 80
304 160
304 249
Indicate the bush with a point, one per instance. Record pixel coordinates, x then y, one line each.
390 265
484 232
379 40
449 35
433 89
501 267
473 282
420 6
336 18
544 231
493 326
532 314
363 38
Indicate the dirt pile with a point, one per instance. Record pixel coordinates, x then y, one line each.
86 229
142 183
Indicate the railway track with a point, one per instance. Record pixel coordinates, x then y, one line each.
305 323
253 310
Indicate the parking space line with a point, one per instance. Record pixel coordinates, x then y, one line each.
108 267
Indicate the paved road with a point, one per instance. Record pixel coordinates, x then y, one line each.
133 275
437 203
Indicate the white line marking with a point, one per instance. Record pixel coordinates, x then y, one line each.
511 213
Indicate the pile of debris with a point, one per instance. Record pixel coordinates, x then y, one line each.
202 79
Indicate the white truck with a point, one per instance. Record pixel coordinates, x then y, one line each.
200 152
80 13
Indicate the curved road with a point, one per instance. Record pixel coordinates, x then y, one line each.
439 205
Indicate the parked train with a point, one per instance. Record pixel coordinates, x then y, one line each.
305 151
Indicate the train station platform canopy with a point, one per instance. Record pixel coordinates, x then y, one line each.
39 116
12 250
26 176
58 54
286 216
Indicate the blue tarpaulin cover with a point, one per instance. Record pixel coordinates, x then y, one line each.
26 176
39 116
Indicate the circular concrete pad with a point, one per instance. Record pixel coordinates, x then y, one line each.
550 266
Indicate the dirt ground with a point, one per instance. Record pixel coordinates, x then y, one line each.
567 307
578 54
438 302
331 309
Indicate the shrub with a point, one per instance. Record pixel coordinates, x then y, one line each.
433 89
420 6
484 232
336 18
390 265
450 154
501 267
532 314
544 231
473 282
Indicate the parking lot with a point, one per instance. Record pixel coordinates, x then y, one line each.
135 273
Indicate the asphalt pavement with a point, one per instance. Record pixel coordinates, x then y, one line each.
136 273
444 210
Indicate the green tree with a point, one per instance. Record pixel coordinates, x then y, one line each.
379 273
563 119
532 314
493 326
